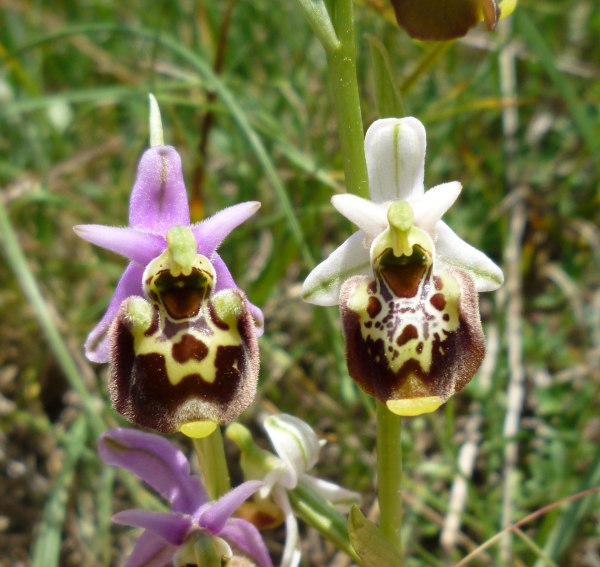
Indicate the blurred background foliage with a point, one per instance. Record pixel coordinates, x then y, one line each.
74 78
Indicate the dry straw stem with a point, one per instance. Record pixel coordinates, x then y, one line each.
515 527
467 455
513 288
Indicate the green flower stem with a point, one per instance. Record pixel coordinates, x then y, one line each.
389 475
317 512
344 86
213 464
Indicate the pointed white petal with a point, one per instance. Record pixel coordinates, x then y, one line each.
340 497
456 253
280 475
395 154
322 286
291 552
294 441
430 207
368 216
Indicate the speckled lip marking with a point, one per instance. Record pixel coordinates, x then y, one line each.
411 334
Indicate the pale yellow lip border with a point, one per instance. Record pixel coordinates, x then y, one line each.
414 406
198 429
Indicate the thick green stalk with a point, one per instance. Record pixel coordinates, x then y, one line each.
389 475
344 86
213 464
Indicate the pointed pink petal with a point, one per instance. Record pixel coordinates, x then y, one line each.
225 281
159 199
245 537
171 527
151 551
214 516
157 462
140 247
211 232
96 345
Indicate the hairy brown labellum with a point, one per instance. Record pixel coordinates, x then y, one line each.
444 19
187 355
412 339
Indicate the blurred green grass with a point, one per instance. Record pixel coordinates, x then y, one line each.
73 116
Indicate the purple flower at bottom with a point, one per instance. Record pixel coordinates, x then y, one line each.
193 518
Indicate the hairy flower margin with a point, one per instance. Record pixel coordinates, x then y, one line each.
406 283
448 19
195 529
297 448
179 335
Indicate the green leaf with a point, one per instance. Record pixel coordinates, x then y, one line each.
318 18
387 94
368 541
45 551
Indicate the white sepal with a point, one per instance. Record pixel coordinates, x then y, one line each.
295 443
430 207
368 216
291 552
340 497
322 286
454 252
395 154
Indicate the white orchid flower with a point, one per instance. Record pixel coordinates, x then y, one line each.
406 282
297 448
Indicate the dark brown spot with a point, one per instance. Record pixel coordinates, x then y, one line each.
187 348
373 307
408 334
454 361
368 324
446 317
419 348
372 287
437 282
438 301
